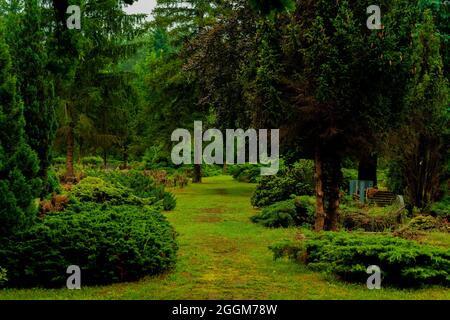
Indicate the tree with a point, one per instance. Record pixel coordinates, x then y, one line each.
84 64
28 44
183 21
332 85
422 142
19 182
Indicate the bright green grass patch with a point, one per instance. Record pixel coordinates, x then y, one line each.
223 255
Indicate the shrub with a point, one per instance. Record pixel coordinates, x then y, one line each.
92 161
169 201
53 182
55 204
156 158
3 276
245 172
59 160
109 243
306 210
368 222
293 212
441 208
424 223
280 214
211 170
295 180
99 191
402 262
414 230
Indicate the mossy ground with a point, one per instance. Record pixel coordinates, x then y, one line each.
224 256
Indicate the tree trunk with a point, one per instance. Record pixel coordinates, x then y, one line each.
318 175
367 169
70 176
197 178
333 196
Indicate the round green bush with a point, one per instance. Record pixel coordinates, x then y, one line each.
109 243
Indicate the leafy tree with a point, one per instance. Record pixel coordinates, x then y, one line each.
337 85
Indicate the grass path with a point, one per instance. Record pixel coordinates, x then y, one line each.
224 256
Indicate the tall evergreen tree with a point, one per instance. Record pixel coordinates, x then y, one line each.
19 184
35 83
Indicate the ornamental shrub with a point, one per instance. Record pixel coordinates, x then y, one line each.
109 243
402 262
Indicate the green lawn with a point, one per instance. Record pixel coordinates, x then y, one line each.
224 256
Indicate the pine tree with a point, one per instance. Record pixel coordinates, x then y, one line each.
19 165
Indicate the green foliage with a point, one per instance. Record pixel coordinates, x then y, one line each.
3 276
402 262
35 82
423 223
53 184
352 220
19 184
441 208
294 212
279 214
211 170
92 161
245 172
92 189
156 158
169 201
348 175
138 185
295 180
109 244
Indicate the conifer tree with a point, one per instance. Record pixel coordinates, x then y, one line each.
19 166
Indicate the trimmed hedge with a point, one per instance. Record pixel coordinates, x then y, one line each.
109 243
402 262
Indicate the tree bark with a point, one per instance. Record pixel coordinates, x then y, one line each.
318 175
197 178
334 196
367 168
